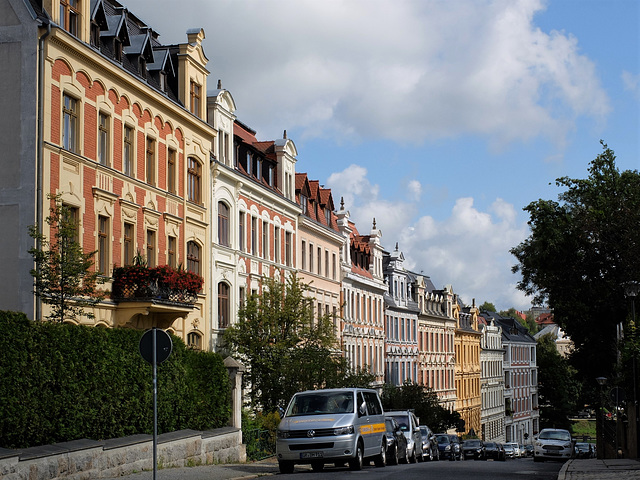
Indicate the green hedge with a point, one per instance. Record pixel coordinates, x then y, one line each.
62 382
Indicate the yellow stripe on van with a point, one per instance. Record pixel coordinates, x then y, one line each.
372 428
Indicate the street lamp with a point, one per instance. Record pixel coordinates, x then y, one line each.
632 290
602 381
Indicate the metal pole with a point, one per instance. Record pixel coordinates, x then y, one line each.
154 364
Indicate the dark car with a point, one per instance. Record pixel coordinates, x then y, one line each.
494 451
449 446
584 450
429 444
396 442
473 448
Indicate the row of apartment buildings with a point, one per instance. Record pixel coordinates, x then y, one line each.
150 159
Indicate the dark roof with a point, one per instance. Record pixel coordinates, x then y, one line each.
512 329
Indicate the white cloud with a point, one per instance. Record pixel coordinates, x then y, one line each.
469 249
631 83
406 70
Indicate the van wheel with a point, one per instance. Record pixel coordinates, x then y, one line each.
317 466
285 466
356 462
381 460
393 459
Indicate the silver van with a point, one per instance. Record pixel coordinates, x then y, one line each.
339 426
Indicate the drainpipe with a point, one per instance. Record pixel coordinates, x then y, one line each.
40 153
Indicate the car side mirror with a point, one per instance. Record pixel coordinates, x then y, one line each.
362 410
281 412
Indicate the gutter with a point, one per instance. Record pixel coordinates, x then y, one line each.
40 154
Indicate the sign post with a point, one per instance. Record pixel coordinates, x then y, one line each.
155 347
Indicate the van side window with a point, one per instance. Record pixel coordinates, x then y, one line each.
373 403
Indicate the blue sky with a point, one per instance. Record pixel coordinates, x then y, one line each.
441 119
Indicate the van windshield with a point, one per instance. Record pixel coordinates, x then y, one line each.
320 403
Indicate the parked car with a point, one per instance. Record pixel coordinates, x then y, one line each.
409 426
494 451
332 426
584 450
429 444
474 448
528 450
553 443
516 449
396 442
449 446
509 452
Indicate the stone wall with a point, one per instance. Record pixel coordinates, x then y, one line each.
86 459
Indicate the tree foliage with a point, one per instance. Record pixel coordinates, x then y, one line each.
487 307
286 347
558 387
581 250
63 275
423 401
528 322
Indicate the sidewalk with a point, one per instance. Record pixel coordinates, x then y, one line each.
594 469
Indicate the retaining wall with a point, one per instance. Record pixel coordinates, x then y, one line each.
87 459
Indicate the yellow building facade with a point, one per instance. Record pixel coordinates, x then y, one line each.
467 368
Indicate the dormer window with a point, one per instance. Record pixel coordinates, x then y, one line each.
142 66
196 98
304 204
117 49
69 13
327 216
95 34
163 81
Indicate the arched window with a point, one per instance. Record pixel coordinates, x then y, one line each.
193 257
194 340
223 224
194 179
223 305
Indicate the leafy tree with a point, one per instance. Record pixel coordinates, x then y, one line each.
423 401
581 251
557 384
63 275
528 322
487 307
286 347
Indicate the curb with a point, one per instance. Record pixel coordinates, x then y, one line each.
563 471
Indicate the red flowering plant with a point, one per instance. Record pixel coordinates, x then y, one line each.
131 281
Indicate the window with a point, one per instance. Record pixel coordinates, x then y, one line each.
151 249
69 13
304 255
151 161
103 244
171 171
287 248
127 153
72 216
193 257
265 240
171 251
193 180
195 98
103 139
223 305
310 258
334 267
304 204
223 224
241 232
95 34
327 216
241 295
70 124
319 261
194 341
254 233
276 244
127 257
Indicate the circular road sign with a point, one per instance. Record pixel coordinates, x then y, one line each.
164 345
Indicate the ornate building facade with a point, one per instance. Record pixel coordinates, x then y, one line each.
467 373
492 416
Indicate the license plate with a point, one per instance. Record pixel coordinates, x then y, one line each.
311 455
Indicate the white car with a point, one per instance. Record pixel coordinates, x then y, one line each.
553 443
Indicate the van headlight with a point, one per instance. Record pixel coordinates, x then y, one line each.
343 430
283 433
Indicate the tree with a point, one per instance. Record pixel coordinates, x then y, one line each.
558 388
63 275
528 322
487 307
581 251
286 347
423 401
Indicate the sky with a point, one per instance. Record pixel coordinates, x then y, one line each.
441 119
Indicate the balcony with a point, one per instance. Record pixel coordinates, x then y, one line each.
149 297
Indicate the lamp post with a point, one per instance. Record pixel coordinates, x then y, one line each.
631 290
602 381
